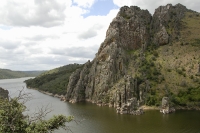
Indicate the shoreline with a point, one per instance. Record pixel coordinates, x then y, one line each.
61 97
144 107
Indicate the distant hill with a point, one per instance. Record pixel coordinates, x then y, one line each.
54 81
8 74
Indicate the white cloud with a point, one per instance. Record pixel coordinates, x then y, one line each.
151 5
88 34
84 3
9 45
31 46
44 34
45 13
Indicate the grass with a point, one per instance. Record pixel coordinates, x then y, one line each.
192 27
179 61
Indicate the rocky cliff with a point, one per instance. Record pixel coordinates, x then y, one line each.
126 71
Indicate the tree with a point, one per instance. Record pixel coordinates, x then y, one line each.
12 119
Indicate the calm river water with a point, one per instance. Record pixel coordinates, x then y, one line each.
94 119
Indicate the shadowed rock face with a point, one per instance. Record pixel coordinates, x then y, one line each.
105 80
3 93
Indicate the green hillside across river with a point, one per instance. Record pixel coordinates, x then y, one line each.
54 81
9 74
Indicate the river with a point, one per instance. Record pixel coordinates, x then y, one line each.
94 119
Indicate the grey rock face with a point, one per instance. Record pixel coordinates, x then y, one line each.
77 84
165 109
129 29
105 80
166 23
3 93
165 102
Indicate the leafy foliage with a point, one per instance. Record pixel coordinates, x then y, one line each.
54 81
152 100
12 119
196 42
189 98
148 67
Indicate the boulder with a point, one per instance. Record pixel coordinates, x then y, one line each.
165 107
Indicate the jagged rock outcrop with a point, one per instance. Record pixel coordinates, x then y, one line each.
3 93
165 107
129 29
166 23
106 79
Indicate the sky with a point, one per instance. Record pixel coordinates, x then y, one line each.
45 34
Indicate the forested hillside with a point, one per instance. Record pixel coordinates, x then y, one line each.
54 81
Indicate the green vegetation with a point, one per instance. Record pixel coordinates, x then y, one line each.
125 16
145 67
181 72
189 97
148 67
153 99
13 120
196 42
176 65
8 74
190 34
54 81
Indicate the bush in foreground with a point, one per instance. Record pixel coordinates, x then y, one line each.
13 120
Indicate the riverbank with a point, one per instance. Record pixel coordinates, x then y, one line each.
187 108
61 97
144 107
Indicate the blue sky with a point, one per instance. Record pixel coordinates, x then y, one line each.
45 34
101 7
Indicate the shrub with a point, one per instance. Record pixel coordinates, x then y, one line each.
12 119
